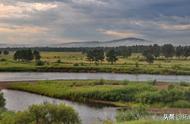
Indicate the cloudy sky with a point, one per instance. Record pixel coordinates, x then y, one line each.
61 21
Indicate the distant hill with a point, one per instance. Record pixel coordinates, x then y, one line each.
112 43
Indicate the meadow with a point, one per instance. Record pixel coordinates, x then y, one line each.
77 62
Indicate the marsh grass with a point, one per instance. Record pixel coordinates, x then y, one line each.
111 91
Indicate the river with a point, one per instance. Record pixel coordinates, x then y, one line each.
25 76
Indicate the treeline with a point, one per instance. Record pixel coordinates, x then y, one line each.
149 52
4 52
98 55
157 50
27 55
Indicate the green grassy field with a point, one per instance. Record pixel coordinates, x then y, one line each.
117 93
76 62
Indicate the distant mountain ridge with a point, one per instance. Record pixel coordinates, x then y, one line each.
112 43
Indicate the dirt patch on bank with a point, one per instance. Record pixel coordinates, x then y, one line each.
162 85
161 111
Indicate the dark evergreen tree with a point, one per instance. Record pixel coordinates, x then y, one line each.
187 51
168 50
149 58
156 50
23 55
37 55
5 52
111 56
179 51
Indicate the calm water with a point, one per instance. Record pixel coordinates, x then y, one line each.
23 76
18 101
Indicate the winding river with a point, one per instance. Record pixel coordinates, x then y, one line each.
25 76
18 101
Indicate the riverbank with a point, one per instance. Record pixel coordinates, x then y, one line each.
95 69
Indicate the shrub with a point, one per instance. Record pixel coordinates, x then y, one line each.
7 118
181 104
176 67
184 84
40 63
133 114
58 61
136 64
3 60
76 64
171 86
47 114
2 101
153 82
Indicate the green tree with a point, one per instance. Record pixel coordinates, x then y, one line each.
156 50
179 51
24 55
95 55
149 58
90 56
6 52
37 55
111 56
2 101
168 50
187 51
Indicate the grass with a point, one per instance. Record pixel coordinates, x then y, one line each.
155 122
76 62
117 93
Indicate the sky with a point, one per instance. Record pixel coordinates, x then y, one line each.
62 21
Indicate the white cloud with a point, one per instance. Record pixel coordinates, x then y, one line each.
177 27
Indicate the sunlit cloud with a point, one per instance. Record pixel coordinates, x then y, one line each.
89 2
119 34
178 27
22 9
22 29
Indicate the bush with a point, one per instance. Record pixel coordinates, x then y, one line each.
184 84
133 114
7 118
40 63
76 64
3 60
47 114
181 104
176 67
171 86
58 61
2 101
